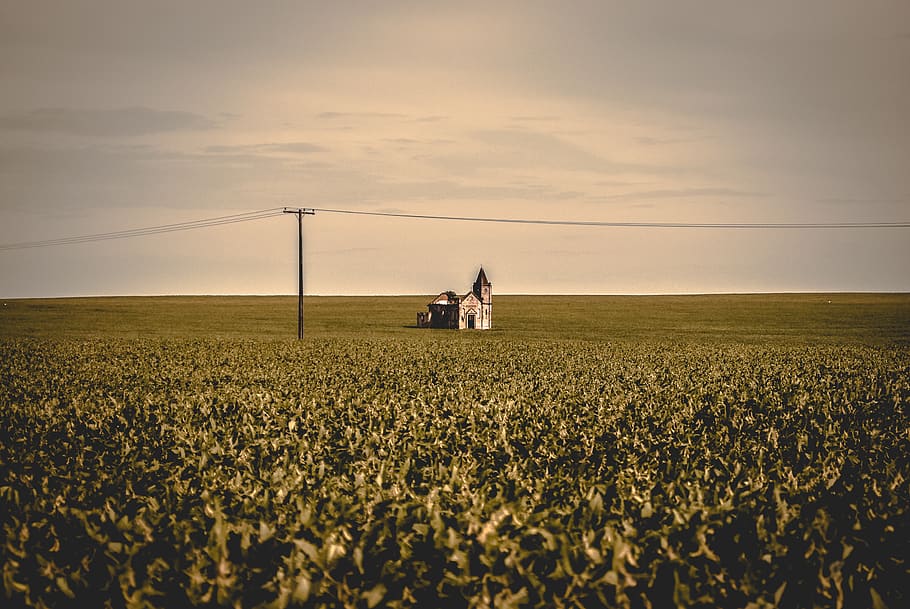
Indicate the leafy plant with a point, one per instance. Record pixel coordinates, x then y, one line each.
346 472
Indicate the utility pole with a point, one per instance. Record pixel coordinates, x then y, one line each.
301 212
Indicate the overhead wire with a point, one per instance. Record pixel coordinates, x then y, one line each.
727 225
148 230
277 211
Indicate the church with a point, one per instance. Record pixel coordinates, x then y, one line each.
473 311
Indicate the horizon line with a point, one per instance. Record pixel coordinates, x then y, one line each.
406 295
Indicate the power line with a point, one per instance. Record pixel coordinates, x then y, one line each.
148 230
277 211
726 225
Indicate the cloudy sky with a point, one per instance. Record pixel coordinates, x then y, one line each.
120 114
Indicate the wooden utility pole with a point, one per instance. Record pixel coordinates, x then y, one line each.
300 211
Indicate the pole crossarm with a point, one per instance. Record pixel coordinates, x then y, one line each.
300 212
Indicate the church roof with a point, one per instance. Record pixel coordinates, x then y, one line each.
445 298
482 278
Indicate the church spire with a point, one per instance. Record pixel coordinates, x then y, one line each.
482 286
481 278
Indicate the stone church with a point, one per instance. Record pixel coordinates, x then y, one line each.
473 311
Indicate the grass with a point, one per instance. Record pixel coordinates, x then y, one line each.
754 318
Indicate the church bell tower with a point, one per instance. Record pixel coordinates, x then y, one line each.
483 289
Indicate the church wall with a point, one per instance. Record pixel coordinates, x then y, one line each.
443 316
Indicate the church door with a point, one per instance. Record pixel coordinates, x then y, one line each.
471 321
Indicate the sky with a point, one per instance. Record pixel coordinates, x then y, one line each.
121 114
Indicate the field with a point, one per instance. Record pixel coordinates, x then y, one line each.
741 451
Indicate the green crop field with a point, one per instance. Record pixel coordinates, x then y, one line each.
691 451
